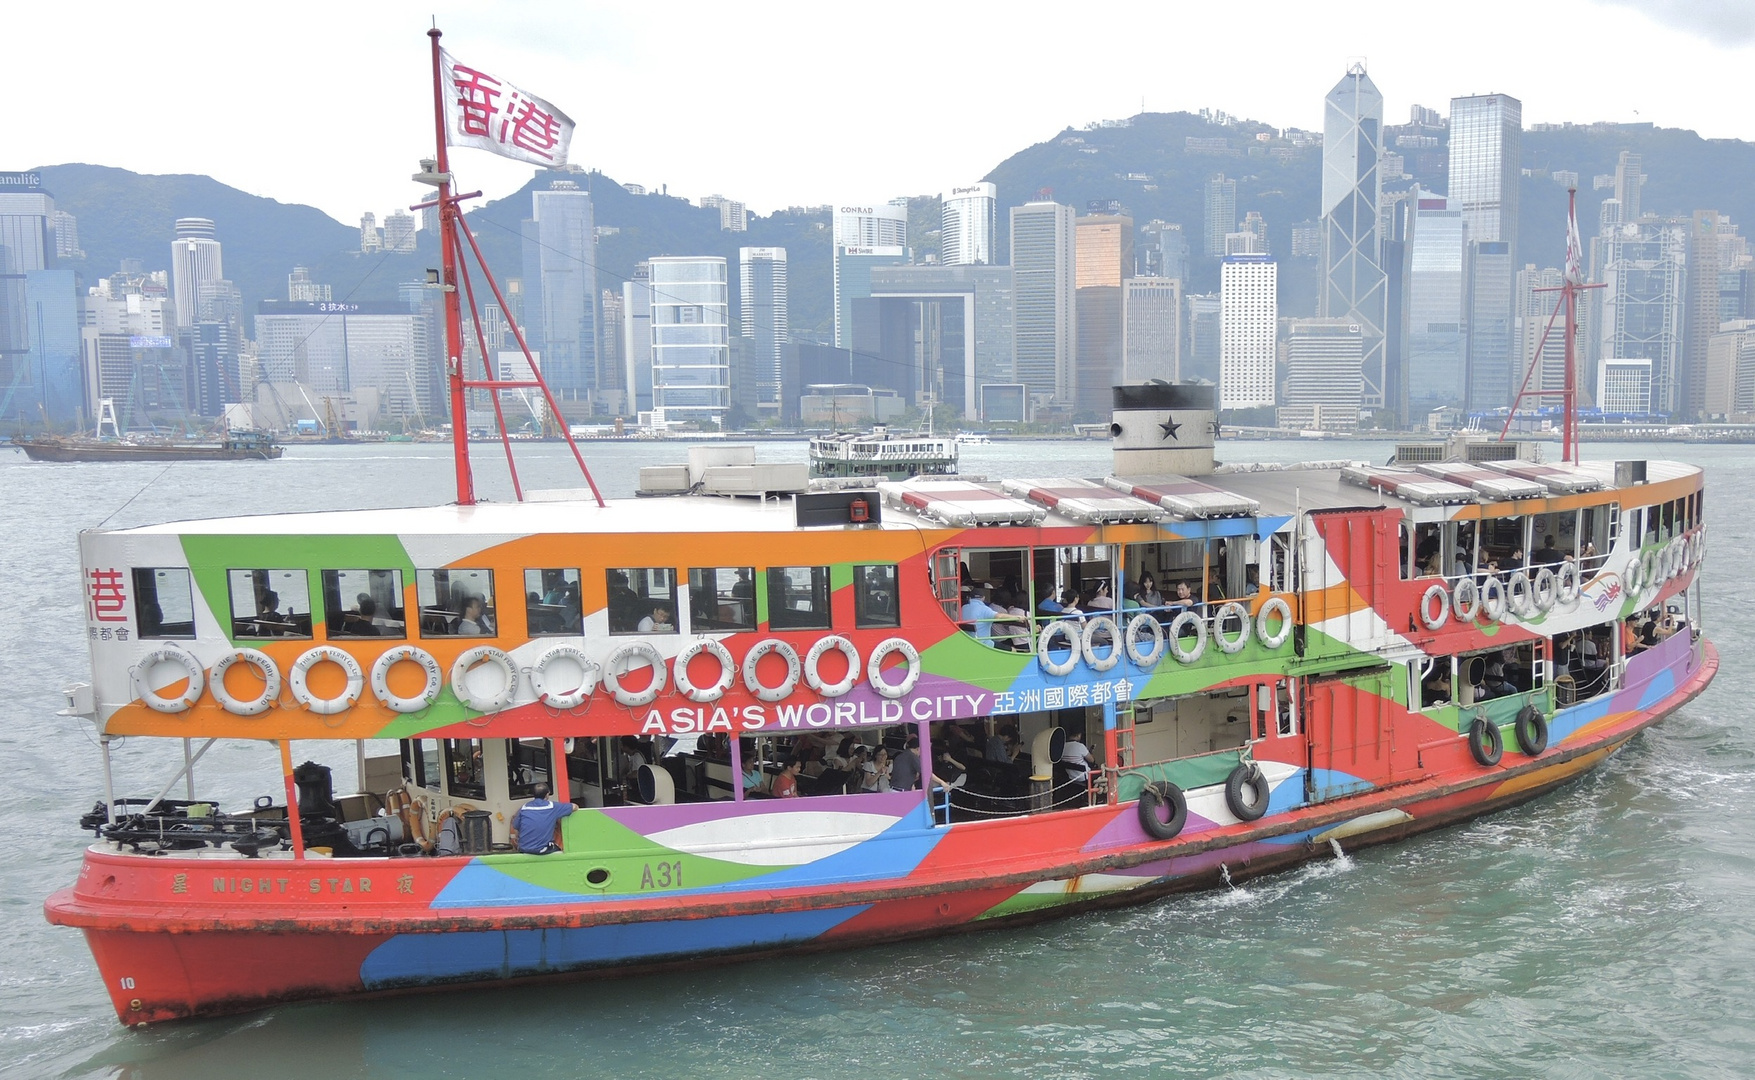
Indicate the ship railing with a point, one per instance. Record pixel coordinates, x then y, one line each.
965 803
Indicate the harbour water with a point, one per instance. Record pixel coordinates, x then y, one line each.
1606 930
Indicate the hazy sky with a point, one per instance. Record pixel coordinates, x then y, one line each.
777 104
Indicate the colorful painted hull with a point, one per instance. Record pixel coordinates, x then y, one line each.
647 887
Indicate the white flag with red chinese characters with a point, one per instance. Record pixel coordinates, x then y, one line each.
491 114
1574 250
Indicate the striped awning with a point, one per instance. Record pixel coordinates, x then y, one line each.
961 504
1087 501
1185 498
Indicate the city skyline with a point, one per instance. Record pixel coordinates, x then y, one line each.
582 58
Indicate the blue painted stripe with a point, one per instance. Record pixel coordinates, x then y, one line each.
503 954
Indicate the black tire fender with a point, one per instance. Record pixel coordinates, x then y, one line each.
1531 731
1250 807
1156 795
1485 743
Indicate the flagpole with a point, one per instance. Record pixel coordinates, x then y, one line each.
448 282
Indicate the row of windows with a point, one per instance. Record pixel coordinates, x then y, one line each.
368 603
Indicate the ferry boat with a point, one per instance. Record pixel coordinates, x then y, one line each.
788 716
880 455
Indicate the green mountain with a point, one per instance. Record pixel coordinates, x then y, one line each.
1155 165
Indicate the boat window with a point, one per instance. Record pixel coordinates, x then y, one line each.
1167 564
642 600
464 770
722 598
798 597
551 602
270 603
363 603
1432 681
527 765
456 603
420 762
875 601
1504 544
163 603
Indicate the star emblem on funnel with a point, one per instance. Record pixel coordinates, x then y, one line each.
1171 427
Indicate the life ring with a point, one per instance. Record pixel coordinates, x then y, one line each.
301 670
1466 609
1088 644
1566 583
787 685
1074 644
1648 567
1675 558
1182 655
1517 594
1231 609
1435 591
555 697
624 653
489 655
874 667
1544 589
1493 598
727 669
1485 743
1156 795
1275 638
1531 731
381 679
1631 576
1150 625
191 669
813 676
257 705
1247 792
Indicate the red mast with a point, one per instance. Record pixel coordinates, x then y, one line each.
1572 283
453 232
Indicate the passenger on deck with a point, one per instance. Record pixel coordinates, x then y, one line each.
877 772
474 622
1076 756
1497 681
533 826
743 588
359 621
978 615
996 749
658 622
1149 596
1547 554
1184 599
755 781
905 771
1015 621
1097 598
786 784
1436 689
947 770
1060 603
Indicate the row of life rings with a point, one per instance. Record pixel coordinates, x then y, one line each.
563 677
1661 564
1521 594
1147 639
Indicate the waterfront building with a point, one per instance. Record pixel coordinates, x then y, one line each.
1102 260
969 223
762 321
1248 330
1644 271
1200 352
1152 329
864 237
1042 269
1354 285
637 338
1435 292
560 289
1325 386
195 258
1486 141
1491 322
691 339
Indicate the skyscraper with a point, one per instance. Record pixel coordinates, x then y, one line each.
1629 180
1042 276
1200 354
1152 338
1324 386
1533 311
967 225
560 288
1704 264
864 237
1492 312
691 339
1642 313
1354 285
762 320
1486 147
637 338
1221 213
1103 259
1249 315
399 231
1434 298
195 259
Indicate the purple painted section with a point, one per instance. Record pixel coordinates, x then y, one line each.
1124 830
1673 651
651 819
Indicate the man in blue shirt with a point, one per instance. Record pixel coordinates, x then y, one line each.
533 826
978 614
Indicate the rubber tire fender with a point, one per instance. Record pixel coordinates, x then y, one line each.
1486 745
1158 794
1531 731
1247 774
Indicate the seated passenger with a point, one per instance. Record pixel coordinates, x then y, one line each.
1436 689
360 621
785 785
978 615
1184 599
656 623
1076 756
1097 598
473 623
533 826
1148 594
755 781
1009 630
